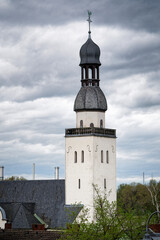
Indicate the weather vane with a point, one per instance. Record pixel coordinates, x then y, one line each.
89 21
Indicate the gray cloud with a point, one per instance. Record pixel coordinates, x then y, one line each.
138 14
40 78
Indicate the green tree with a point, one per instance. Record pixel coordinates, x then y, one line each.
111 222
154 190
106 223
134 196
15 178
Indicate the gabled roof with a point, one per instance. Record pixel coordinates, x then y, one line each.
21 215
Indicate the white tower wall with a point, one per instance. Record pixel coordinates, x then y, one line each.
90 117
91 171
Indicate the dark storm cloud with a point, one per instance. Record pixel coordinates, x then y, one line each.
39 12
137 14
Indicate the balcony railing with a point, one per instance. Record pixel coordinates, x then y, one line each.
91 131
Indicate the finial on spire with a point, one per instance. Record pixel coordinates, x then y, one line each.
89 21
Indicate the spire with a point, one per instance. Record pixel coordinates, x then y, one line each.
90 96
89 22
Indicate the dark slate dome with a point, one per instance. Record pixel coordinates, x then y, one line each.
90 53
90 98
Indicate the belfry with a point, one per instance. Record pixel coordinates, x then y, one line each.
90 147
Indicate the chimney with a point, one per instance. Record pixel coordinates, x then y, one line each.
1 173
33 171
56 173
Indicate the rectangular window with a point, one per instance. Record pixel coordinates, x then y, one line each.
102 156
79 183
82 157
104 183
75 157
107 157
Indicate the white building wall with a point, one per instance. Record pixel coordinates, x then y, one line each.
79 170
90 117
104 170
92 171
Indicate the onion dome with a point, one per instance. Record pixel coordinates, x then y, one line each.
90 53
90 98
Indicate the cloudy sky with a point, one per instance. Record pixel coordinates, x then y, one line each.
40 77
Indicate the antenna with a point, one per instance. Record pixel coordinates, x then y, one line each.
89 22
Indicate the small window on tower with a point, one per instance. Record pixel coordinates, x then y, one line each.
101 123
104 183
102 156
91 125
81 124
79 183
107 157
75 156
82 157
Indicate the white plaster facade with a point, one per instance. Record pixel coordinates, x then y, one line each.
90 117
81 173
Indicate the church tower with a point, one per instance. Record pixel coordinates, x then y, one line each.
90 147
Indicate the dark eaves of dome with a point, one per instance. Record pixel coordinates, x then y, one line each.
89 53
90 98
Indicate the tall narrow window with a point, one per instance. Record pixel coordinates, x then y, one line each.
81 124
79 183
75 156
104 183
82 157
102 156
107 157
101 123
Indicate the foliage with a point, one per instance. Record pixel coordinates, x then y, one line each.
154 190
133 225
140 198
106 223
111 222
15 178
